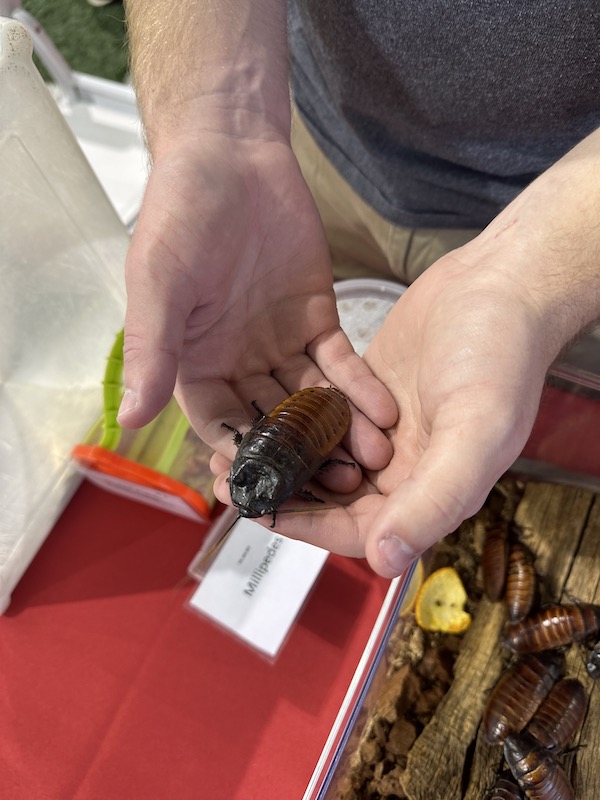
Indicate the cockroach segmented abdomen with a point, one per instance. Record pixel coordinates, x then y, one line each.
536 771
320 416
285 448
505 788
552 626
560 715
517 695
495 561
521 582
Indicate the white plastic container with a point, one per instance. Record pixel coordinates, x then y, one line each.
62 250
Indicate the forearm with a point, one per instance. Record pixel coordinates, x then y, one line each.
202 65
548 242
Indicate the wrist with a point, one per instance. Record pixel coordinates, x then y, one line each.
201 67
546 243
241 118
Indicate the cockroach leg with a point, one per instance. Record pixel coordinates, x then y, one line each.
259 411
306 494
331 462
237 436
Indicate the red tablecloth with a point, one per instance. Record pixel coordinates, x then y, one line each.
112 689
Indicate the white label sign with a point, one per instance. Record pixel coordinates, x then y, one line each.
258 583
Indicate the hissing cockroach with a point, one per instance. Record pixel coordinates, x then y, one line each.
552 626
560 715
285 448
593 662
521 582
536 771
505 788
518 693
494 561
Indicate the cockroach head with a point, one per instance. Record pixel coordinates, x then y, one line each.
256 488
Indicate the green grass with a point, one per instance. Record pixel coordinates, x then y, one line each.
91 40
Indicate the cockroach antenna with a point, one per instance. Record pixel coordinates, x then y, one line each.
216 546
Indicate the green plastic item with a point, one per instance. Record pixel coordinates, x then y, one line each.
157 444
113 393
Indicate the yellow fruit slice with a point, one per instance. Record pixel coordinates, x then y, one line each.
440 601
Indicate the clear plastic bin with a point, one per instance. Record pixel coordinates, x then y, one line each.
564 448
63 300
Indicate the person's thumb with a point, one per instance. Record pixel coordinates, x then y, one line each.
449 484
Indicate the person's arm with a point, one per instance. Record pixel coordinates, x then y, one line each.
465 353
547 243
229 282
204 73
491 319
206 65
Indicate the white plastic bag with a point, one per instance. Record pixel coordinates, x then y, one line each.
62 299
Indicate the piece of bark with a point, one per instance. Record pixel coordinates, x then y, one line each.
583 584
436 762
450 759
484 767
551 519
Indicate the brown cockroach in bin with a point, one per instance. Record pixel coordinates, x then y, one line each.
552 626
505 788
521 582
517 695
536 771
494 561
560 715
285 448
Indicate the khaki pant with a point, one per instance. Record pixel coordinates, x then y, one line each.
362 243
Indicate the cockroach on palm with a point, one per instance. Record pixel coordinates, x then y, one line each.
285 448
282 451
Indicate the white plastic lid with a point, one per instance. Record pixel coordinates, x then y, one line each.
363 304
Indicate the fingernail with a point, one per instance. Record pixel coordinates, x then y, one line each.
396 554
128 403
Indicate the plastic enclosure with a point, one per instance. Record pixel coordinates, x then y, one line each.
104 118
63 300
164 464
564 447
363 689
101 113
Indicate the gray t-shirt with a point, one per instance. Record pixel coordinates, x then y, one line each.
438 113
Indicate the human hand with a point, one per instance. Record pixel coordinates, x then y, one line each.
463 355
465 352
231 300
